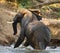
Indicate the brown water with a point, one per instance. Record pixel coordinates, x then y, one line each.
29 49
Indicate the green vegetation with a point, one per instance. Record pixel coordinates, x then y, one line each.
24 3
47 11
51 11
56 9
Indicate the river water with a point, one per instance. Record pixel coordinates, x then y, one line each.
29 49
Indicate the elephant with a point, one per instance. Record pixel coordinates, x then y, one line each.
28 15
37 34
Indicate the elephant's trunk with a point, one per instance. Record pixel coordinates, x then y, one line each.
14 24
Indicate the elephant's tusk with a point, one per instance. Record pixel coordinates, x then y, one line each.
10 22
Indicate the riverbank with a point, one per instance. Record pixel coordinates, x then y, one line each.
6 31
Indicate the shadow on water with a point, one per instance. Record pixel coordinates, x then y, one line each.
6 49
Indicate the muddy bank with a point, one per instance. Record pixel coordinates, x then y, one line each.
6 32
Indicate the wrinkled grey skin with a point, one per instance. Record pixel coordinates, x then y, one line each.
37 34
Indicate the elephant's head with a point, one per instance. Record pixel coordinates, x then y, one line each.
17 19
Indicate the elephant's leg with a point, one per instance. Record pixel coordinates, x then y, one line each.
34 42
38 45
35 45
20 39
43 44
26 43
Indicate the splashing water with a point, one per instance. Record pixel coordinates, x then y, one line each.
29 49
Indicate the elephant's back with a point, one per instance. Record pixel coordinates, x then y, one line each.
33 26
39 30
